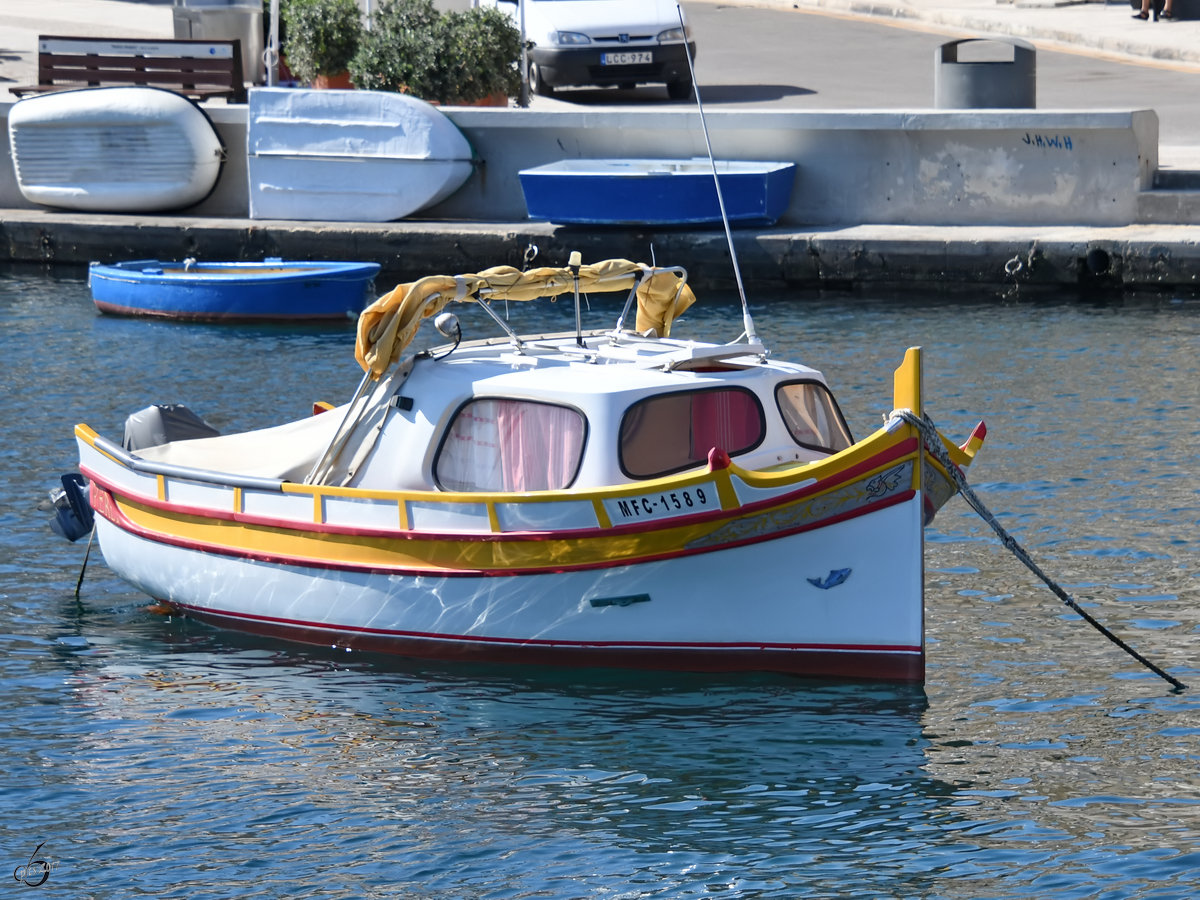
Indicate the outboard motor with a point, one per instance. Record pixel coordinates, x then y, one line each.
163 423
73 517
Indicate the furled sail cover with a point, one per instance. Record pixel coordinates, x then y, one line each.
388 326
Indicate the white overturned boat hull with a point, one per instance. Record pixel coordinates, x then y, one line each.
350 156
121 149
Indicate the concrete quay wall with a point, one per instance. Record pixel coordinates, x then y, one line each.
933 259
932 167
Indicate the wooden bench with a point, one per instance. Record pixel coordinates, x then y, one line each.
195 68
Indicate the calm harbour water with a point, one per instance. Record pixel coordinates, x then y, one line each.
153 757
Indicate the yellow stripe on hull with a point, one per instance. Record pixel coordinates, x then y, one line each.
603 543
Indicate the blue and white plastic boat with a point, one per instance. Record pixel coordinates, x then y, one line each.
271 290
114 149
657 191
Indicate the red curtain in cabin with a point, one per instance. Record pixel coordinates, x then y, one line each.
511 445
727 420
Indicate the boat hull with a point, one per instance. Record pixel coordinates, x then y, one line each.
271 290
350 156
657 191
721 569
119 149
759 606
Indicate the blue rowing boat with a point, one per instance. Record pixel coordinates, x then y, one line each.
272 290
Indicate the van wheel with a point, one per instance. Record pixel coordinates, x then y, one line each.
537 85
679 90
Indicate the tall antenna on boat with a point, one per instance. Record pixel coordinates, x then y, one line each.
747 322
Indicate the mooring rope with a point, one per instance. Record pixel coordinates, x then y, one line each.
933 443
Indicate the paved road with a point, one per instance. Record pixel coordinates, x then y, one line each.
822 54
805 59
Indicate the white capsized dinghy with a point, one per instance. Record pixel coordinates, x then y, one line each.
114 149
350 156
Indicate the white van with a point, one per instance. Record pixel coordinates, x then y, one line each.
603 42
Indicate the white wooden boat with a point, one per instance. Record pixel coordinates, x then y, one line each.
657 191
113 149
350 156
612 498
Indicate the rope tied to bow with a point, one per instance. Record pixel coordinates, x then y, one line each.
933 444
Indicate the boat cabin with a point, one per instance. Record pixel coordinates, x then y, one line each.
553 415
516 414
549 414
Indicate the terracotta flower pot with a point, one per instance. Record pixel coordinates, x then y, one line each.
338 81
497 99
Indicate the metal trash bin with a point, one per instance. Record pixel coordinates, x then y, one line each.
986 84
226 20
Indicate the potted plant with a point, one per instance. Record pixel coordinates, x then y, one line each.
397 53
479 52
460 57
322 37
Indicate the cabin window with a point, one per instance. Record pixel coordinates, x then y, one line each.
511 445
812 416
672 432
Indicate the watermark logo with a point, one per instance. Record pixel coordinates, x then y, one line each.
35 872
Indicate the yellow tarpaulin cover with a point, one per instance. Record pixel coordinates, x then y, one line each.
388 326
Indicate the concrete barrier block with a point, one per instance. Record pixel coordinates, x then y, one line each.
923 167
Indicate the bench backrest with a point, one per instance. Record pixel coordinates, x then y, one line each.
198 68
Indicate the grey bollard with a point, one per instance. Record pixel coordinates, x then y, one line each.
985 85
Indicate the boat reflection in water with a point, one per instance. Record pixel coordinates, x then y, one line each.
585 766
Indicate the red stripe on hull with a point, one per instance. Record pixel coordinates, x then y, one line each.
141 312
887 663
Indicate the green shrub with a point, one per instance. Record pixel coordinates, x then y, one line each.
322 36
397 52
479 52
459 57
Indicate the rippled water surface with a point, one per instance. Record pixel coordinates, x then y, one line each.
153 757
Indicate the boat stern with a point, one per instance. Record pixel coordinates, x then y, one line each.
73 516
